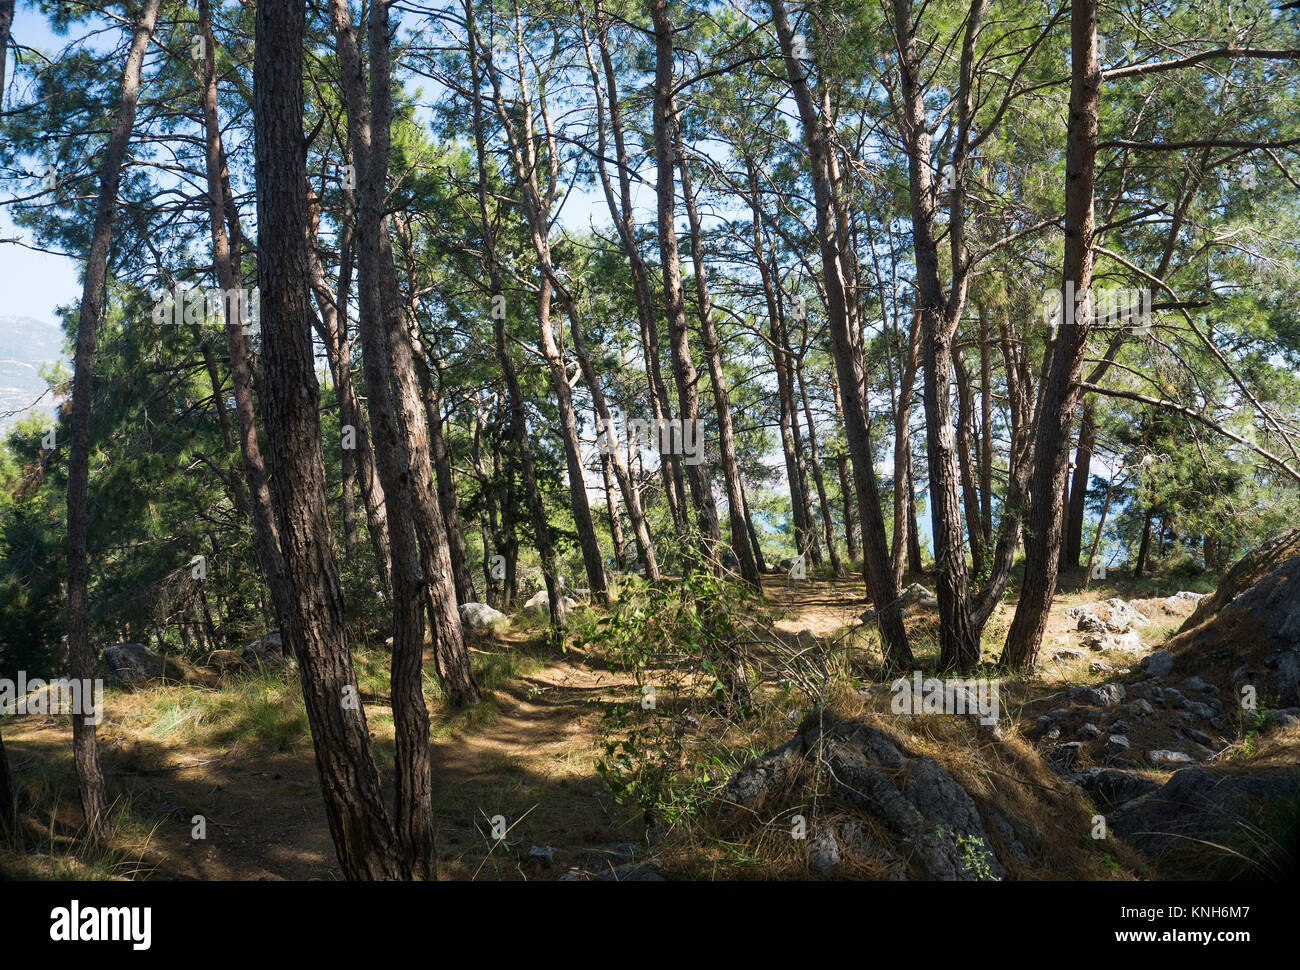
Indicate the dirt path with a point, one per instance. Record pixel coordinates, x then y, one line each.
526 756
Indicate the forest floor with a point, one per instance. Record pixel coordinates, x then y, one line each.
242 760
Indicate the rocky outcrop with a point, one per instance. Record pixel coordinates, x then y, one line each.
1198 804
1250 625
937 831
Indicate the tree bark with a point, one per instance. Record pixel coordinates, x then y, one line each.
313 622
1060 391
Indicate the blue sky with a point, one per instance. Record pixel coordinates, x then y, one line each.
32 284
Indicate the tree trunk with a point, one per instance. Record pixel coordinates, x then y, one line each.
848 363
312 618
1060 390
814 460
1072 547
688 398
518 424
6 21
1144 547
81 656
621 211
717 379
846 495
227 243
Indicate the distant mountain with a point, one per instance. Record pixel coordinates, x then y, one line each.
25 345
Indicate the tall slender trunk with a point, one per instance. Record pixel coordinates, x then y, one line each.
688 397
959 643
1072 545
717 380
814 461
846 495
1059 392
514 397
312 616
227 242
621 212
6 21
848 363
612 455
986 426
81 656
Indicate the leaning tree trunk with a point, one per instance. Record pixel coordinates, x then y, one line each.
313 622
81 657
848 364
688 395
1060 391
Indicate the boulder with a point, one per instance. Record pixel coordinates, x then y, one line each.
134 664
480 616
541 602
1158 664
1111 787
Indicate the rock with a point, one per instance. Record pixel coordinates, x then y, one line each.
1103 695
480 616
1118 727
1066 654
1161 758
921 805
1087 732
868 616
1111 787
541 602
1199 805
785 565
1283 718
1195 685
1128 642
1117 744
1142 708
1121 616
226 661
1090 622
1158 664
729 561
1184 595
918 595
134 664
1254 615
543 855
266 651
